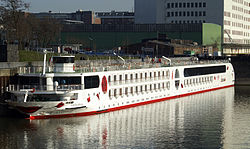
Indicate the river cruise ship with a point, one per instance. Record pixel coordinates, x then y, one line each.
66 89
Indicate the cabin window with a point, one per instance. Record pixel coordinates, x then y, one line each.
154 86
91 82
120 91
159 85
168 85
145 87
120 77
150 74
109 93
150 87
68 80
114 78
126 91
126 77
109 79
115 92
63 59
136 76
188 72
141 75
177 84
131 76
159 74
31 80
141 88
163 73
163 85
145 75
177 74
154 74
136 89
131 90
167 74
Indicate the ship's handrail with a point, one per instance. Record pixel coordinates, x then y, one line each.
43 88
78 68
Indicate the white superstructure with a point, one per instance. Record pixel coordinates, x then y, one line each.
232 15
81 93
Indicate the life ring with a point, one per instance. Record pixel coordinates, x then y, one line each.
104 84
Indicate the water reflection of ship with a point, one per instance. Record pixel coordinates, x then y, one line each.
173 122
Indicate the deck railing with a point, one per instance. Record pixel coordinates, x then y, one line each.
113 67
42 88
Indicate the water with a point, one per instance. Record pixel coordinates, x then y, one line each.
219 119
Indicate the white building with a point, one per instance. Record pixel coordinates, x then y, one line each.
232 15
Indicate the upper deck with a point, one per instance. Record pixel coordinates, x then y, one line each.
101 66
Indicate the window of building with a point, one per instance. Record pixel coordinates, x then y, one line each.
172 14
168 14
204 4
176 14
180 13
196 5
168 5
180 5
184 5
188 5
200 13
192 5
192 13
176 5
188 13
200 4
184 13
204 13
172 5
196 13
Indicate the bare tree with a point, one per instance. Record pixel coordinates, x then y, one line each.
13 20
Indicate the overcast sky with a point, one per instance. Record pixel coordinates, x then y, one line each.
73 5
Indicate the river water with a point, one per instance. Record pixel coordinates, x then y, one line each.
218 119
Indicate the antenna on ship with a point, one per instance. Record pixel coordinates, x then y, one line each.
120 58
44 61
167 59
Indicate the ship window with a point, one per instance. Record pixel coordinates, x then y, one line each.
159 73
131 76
126 91
115 92
141 88
136 76
109 78
145 75
177 75
120 91
131 90
63 59
154 86
168 85
159 85
150 87
68 80
136 89
177 84
120 77
31 80
167 74
154 74
163 73
126 77
114 78
188 72
150 74
163 85
141 75
109 93
91 82
145 87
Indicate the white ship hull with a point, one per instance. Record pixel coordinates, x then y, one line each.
125 89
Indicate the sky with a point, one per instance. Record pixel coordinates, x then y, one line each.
74 5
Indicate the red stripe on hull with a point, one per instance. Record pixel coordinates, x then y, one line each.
124 107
